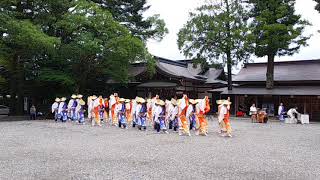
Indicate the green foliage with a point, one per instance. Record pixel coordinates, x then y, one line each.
130 14
207 36
277 29
217 32
62 46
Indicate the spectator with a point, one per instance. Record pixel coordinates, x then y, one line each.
253 113
33 112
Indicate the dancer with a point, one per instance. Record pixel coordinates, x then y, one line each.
173 115
95 111
63 109
121 112
55 108
81 110
142 116
226 119
160 115
183 106
129 115
203 107
221 113
72 115
113 103
191 114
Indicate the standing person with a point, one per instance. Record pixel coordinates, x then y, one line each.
227 118
89 103
149 114
142 116
80 109
281 112
121 112
191 114
203 107
33 112
222 111
54 109
95 111
128 111
154 108
159 116
106 109
173 116
101 108
253 113
63 109
183 106
135 109
113 103
72 115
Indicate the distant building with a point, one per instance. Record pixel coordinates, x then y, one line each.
297 83
172 78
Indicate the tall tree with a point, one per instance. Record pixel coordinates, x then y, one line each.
217 32
278 31
130 14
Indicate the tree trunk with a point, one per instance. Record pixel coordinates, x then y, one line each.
228 49
16 87
229 67
270 72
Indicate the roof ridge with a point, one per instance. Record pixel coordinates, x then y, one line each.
286 62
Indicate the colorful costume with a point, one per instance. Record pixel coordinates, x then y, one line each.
173 115
63 110
121 111
142 122
203 107
95 111
80 109
160 114
191 115
183 106
113 103
54 109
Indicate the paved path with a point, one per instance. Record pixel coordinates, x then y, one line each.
48 150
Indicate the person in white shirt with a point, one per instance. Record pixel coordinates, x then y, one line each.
292 114
253 113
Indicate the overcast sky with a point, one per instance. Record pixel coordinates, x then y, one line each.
175 14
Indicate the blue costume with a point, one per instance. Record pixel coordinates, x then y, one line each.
162 119
74 115
192 118
122 116
65 112
142 119
81 115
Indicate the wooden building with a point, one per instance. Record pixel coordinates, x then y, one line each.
297 83
173 78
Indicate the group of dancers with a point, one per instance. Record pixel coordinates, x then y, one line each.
180 115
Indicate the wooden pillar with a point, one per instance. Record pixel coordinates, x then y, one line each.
256 97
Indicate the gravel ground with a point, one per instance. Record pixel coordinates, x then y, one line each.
49 150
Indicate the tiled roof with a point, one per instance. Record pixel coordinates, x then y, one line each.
180 69
306 70
281 90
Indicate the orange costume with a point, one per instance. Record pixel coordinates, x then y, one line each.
129 111
113 103
203 109
183 106
226 121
